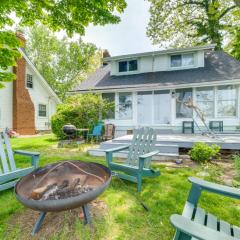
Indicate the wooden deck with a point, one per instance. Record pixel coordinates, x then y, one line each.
226 141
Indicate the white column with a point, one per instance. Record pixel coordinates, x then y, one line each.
134 108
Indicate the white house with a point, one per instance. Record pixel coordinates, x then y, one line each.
152 88
27 104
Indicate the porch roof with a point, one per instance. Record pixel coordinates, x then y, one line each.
219 67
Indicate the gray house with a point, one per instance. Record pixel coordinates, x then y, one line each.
152 89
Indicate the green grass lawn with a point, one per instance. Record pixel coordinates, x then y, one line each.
117 213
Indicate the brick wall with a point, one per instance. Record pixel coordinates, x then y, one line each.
23 107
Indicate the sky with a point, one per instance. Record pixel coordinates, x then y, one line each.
129 36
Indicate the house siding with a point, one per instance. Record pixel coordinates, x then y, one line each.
39 95
6 103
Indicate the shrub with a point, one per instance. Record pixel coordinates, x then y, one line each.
83 111
202 152
236 159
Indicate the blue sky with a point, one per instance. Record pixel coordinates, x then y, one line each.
129 36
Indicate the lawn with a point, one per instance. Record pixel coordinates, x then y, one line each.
117 214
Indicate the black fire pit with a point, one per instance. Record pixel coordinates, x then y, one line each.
62 186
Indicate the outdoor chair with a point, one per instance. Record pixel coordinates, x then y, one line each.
96 132
109 132
9 173
195 223
138 162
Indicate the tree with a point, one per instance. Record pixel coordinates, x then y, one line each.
62 62
72 16
191 22
233 47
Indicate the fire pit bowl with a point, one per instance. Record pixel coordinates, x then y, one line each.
62 186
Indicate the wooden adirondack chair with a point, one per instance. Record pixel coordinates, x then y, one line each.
139 157
195 223
9 173
109 132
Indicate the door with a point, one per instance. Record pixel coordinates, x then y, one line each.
162 107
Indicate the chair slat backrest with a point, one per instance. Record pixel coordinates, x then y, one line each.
144 140
7 160
9 151
97 130
4 162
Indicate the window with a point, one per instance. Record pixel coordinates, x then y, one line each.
42 110
29 81
205 100
182 60
144 107
132 65
125 66
226 101
110 98
125 106
182 96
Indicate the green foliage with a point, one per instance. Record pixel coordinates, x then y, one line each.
202 152
83 111
8 55
63 63
189 23
71 16
233 46
236 159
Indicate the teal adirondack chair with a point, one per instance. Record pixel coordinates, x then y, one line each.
195 223
139 157
9 173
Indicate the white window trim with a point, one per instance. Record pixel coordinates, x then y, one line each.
182 67
128 72
26 81
41 117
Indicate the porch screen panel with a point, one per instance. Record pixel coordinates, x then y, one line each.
205 100
162 107
227 101
110 99
182 96
144 107
125 106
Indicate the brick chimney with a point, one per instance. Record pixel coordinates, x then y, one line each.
23 107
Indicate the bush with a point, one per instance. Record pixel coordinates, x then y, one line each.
236 159
202 152
83 111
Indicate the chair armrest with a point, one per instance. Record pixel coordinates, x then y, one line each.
216 188
147 155
26 153
117 149
187 226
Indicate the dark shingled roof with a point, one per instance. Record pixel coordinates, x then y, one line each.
219 66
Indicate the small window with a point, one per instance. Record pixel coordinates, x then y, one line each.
29 81
123 66
133 65
184 60
176 61
42 110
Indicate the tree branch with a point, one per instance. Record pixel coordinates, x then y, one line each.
226 11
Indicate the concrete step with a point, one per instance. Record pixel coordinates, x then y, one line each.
123 154
163 148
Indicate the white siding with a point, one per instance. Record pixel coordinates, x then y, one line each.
6 106
40 95
155 63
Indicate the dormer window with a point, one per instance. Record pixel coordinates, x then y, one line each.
182 60
29 81
125 66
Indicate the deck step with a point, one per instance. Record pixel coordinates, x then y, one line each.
123 154
162 148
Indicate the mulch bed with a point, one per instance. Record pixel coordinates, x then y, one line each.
54 222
